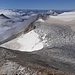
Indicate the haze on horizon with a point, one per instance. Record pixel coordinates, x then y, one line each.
37 4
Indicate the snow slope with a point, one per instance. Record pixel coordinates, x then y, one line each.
26 42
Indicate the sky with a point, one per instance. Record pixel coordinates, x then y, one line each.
37 4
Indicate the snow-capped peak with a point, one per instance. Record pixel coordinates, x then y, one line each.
40 20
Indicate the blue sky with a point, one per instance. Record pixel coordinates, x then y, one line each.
38 4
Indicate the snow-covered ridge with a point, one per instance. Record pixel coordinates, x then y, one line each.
66 16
